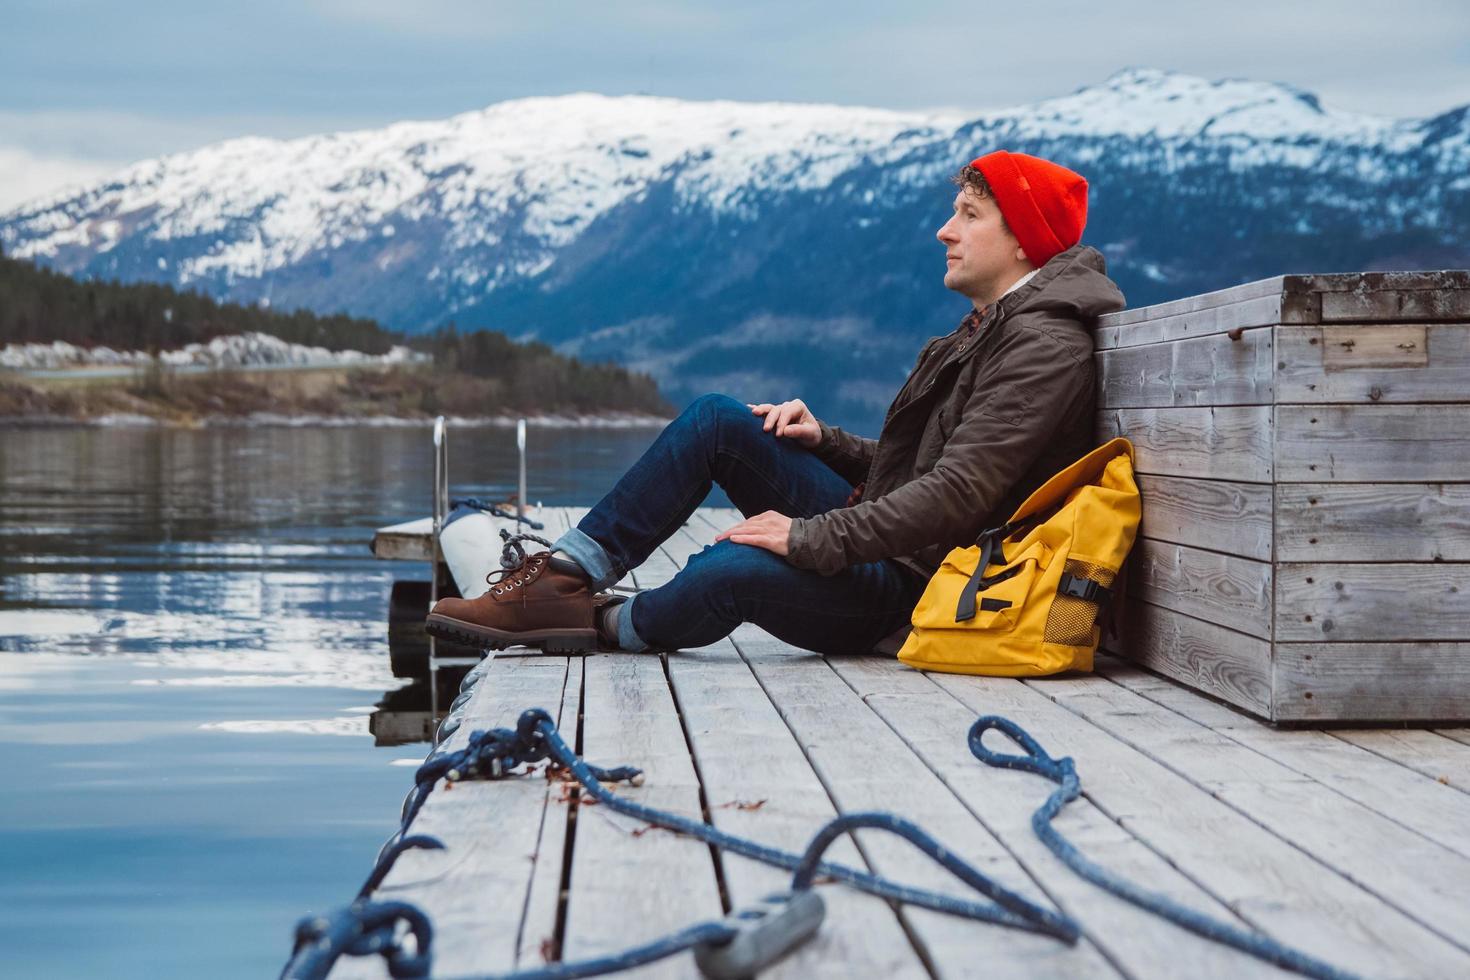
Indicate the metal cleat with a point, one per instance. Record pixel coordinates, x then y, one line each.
764 932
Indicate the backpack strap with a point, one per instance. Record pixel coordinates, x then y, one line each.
990 550
991 553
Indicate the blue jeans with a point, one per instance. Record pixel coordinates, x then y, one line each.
718 440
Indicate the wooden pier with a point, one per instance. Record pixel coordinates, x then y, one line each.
1351 844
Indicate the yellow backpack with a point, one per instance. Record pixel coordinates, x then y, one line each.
1024 600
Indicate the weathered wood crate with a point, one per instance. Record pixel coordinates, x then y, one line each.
1303 449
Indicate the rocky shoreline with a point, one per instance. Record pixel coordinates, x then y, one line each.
610 420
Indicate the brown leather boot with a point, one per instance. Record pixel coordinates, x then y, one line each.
543 602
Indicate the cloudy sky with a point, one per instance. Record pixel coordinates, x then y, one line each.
89 85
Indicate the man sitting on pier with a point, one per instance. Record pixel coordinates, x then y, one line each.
842 532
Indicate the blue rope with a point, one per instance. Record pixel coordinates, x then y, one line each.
361 929
684 939
495 510
1010 909
1064 773
365 928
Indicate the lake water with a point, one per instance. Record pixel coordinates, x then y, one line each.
193 638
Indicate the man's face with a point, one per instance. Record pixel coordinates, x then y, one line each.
979 250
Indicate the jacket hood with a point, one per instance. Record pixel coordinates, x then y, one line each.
1073 284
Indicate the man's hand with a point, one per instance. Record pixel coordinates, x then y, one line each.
791 420
769 531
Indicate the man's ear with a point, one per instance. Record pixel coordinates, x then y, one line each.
1021 254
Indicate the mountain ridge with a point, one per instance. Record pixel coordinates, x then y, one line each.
765 247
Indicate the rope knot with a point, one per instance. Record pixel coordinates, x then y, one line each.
363 929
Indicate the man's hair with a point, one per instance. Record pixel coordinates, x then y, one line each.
974 182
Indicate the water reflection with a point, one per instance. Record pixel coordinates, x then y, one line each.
409 714
193 634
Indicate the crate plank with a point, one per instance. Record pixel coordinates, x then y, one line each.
1224 369
1218 588
1373 363
1372 681
1229 296
1234 518
1388 305
1261 311
1229 665
1372 443
1370 295
1373 522
1372 601
1228 443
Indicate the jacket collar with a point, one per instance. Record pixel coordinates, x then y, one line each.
1018 297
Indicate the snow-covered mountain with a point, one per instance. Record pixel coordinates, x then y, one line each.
765 249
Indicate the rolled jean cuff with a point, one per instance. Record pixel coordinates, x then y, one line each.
593 558
628 638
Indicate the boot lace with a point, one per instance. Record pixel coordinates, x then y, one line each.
516 567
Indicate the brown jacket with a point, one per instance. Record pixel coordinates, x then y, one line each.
1008 407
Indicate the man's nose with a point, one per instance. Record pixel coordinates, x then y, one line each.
944 234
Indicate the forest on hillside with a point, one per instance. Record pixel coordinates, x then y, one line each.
479 372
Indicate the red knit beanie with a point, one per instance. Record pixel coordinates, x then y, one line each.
1044 203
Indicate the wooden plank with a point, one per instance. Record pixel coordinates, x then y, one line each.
1372 681
933 724
475 890
537 942
1218 588
414 540
628 886
1230 296
409 541
1372 443
1410 799
1233 666
1430 753
715 520
1397 304
1234 518
1348 347
865 766
1217 370
1379 874
1227 443
1369 282
759 785
1372 601
1406 871
1371 295
1372 363
1265 880
1458 734
1261 311
1373 522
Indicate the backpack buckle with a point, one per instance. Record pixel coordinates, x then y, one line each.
1085 589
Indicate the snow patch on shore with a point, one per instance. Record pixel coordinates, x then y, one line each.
237 351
